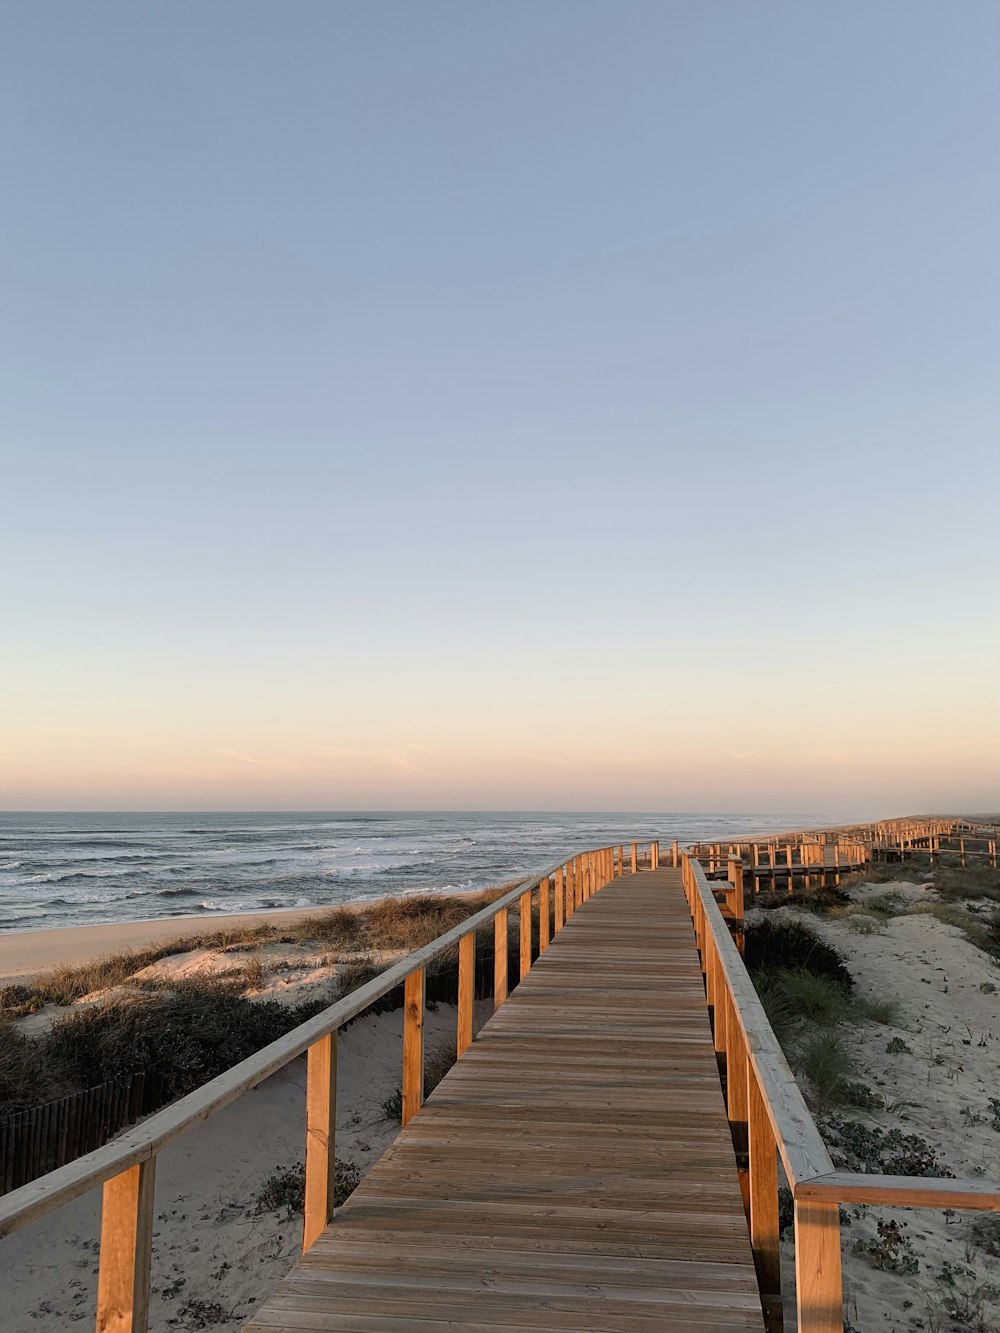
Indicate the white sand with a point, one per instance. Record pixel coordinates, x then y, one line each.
940 1092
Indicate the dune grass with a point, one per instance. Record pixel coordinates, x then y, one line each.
190 1031
394 923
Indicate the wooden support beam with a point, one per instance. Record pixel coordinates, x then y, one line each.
543 915
466 990
126 1250
819 1294
525 901
414 991
765 1237
559 903
500 958
321 1131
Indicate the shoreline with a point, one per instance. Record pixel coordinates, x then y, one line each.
26 953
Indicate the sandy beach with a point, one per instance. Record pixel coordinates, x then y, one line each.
25 953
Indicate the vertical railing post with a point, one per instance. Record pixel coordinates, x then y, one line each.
558 901
414 990
525 903
819 1292
499 958
735 875
466 990
126 1250
321 1131
543 915
635 857
765 1238
654 856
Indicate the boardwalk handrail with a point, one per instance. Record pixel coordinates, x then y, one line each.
769 1117
125 1167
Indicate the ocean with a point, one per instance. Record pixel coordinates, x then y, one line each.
87 869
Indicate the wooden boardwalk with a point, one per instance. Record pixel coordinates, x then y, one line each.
573 1171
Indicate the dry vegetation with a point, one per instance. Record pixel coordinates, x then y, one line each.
222 1002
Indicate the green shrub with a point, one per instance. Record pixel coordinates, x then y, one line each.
792 946
889 1250
187 1037
889 1152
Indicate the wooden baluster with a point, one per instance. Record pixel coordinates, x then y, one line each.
525 902
414 991
635 857
543 915
560 904
765 1238
126 1250
499 958
321 1133
466 990
819 1292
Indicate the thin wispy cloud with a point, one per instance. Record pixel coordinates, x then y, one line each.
242 758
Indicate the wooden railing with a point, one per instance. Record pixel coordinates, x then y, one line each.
769 1118
126 1167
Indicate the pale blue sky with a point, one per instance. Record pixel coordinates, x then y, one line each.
613 383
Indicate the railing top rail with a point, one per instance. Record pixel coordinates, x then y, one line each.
51 1191
803 1152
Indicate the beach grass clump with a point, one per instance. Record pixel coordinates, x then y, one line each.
829 1066
879 1009
284 1191
819 999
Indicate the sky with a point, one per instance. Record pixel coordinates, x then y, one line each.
548 404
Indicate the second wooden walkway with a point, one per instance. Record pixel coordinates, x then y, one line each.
573 1171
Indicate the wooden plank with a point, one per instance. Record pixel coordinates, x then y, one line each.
413 1043
321 1130
126 1251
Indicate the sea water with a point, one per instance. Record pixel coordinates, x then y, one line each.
79 869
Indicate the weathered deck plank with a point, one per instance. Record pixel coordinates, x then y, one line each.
573 1171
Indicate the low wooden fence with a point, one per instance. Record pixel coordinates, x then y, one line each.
769 1119
41 1138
